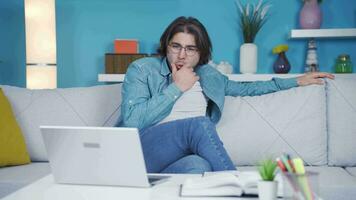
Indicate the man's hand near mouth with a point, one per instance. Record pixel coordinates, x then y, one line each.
184 77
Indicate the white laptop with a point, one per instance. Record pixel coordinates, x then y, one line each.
96 156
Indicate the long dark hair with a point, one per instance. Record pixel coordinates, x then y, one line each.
192 26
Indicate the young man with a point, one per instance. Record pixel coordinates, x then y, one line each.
177 99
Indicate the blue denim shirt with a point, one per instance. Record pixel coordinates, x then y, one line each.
149 94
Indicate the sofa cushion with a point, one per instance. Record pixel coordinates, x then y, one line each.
291 121
14 178
88 106
12 144
341 118
352 171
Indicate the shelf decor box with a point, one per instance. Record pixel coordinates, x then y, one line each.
126 46
118 63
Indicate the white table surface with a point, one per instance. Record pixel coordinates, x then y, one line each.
47 189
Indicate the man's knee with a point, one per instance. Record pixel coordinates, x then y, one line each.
192 164
197 164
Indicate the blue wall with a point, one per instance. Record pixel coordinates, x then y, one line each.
86 30
12 43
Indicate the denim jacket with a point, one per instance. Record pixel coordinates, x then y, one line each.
149 94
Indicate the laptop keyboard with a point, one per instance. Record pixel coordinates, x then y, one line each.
152 179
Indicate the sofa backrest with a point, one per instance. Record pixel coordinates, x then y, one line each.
291 121
341 117
87 106
317 123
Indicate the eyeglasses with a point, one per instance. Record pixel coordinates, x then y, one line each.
189 50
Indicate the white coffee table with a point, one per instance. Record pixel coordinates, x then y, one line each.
47 189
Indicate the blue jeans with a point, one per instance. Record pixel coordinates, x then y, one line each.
184 146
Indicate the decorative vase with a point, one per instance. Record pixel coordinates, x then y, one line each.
248 58
310 16
281 65
267 190
224 67
343 64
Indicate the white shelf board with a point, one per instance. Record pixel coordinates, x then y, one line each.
236 77
111 77
324 33
258 77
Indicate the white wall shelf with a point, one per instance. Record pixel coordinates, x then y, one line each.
294 34
236 77
111 77
323 33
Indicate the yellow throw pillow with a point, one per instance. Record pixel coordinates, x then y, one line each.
12 144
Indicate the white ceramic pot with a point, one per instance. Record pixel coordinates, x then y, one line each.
224 67
248 58
267 190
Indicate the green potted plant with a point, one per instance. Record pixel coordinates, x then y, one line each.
252 18
267 187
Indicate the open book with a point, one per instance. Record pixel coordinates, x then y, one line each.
226 183
230 183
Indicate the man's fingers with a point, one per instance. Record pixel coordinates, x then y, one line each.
174 68
324 75
319 81
317 75
331 76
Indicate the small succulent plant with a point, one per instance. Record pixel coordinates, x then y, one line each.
267 169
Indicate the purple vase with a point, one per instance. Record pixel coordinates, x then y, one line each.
310 15
281 65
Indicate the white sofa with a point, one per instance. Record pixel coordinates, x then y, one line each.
317 123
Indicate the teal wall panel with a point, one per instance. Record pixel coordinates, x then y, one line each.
86 30
12 43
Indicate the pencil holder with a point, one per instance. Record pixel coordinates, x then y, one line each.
301 187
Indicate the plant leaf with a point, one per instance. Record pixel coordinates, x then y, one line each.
253 17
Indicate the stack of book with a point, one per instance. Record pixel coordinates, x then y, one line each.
126 46
125 52
118 63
